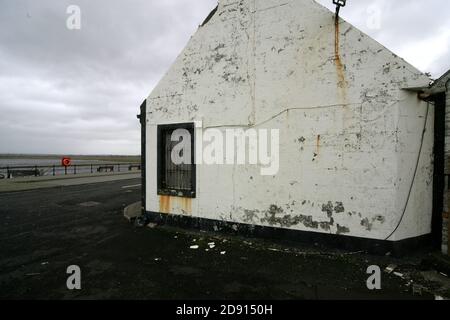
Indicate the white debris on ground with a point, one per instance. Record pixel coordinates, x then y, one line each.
194 247
417 289
390 268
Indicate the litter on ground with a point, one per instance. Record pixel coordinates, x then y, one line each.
390 268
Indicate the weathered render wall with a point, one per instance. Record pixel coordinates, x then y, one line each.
350 136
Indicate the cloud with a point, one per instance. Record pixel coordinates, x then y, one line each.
64 91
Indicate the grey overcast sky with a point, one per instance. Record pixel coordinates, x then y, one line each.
78 92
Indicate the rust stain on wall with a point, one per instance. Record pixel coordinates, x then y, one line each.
168 203
186 205
338 61
318 145
164 204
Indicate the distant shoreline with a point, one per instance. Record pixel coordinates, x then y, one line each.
112 158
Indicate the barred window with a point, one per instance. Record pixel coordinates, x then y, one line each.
176 142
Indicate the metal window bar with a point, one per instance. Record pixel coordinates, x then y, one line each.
175 177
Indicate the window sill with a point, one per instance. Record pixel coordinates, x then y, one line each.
177 193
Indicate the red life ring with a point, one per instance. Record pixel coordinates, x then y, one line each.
66 162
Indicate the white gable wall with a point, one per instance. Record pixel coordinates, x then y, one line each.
349 135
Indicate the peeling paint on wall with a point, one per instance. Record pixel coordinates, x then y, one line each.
329 208
342 230
169 204
276 216
349 134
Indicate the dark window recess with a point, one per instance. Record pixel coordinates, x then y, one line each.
175 179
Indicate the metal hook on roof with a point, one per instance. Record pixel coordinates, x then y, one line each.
339 4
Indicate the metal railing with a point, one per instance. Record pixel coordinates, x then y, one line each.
58 170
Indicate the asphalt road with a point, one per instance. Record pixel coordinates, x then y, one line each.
42 232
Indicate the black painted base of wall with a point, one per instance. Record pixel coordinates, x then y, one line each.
379 247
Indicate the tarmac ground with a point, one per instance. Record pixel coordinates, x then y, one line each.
46 230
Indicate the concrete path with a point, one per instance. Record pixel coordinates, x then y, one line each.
31 183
